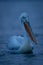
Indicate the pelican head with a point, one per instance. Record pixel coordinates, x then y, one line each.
24 18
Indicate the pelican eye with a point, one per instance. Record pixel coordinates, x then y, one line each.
23 17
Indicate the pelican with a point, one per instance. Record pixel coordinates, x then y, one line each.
25 43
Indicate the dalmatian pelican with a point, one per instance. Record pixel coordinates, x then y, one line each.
25 43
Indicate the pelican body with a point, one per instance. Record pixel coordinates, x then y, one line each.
22 44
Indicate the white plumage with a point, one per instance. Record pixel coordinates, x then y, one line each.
19 44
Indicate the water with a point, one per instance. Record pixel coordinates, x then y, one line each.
9 25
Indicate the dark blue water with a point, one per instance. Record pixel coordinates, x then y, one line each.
9 25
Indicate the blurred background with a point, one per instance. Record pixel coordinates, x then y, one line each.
10 10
